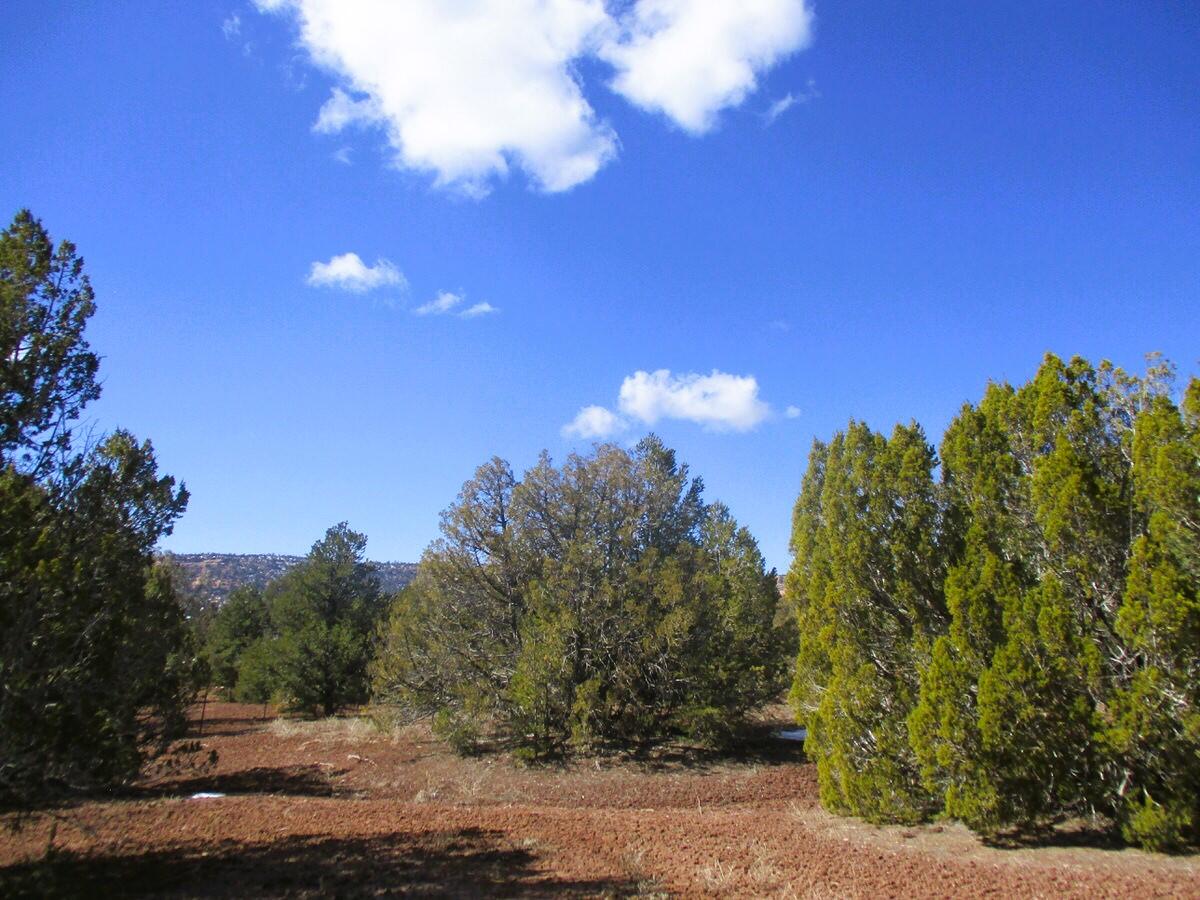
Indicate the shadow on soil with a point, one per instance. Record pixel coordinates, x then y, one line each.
1098 836
459 863
225 726
297 781
756 745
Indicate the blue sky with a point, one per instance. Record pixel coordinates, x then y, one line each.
954 190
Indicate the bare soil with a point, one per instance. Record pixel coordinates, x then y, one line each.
339 808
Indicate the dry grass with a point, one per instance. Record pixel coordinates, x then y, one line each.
633 865
331 729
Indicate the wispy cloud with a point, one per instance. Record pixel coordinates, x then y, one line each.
717 402
349 273
448 303
479 309
231 27
341 111
788 100
443 303
780 106
792 412
342 155
469 92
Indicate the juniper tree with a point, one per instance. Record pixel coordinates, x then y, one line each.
1063 680
1155 727
94 652
95 656
47 370
867 585
240 622
601 603
1003 729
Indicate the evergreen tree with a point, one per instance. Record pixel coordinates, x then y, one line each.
96 660
1011 696
1062 680
240 622
1156 723
600 604
94 649
323 613
867 583
981 484
47 371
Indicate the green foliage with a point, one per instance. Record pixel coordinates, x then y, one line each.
600 604
1156 721
257 677
96 660
867 586
94 652
47 371
240 622
1060 675
311 645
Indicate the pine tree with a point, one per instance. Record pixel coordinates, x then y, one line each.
238 624
323 614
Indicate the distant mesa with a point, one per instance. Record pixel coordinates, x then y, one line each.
211 577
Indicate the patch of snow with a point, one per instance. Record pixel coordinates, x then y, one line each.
206 795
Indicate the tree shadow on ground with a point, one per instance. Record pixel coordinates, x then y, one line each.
1098 835
224 726
297 781
466 862
756 744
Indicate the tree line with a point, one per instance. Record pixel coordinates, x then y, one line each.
1004 630
598 605
1008 631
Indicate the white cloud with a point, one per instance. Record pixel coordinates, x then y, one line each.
468 91
350 273
464 90
792 412
443 303
342 155
479 309
232 27
689 59
718 401
594 422
342 110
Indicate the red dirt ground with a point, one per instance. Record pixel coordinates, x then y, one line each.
338 808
